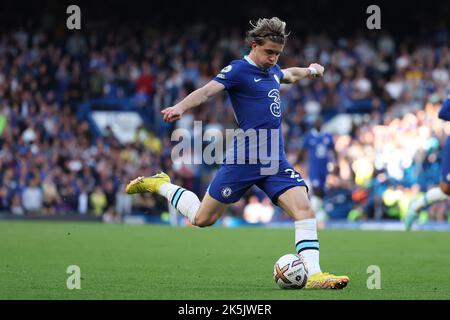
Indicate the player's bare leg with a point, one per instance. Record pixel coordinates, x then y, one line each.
296 204
202 214
209 212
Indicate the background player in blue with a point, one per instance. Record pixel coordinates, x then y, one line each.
438 193
253 86
319 148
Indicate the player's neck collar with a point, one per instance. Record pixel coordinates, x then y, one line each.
249 60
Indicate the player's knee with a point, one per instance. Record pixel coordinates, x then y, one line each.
309 213
304 211
445 187
203 222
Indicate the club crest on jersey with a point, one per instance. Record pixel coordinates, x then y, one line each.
226 69
226 192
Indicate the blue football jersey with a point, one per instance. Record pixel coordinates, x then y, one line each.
255 96
444 113
319 145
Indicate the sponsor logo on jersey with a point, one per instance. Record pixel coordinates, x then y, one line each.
275 107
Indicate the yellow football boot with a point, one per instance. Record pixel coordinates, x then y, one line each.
147 184
324 280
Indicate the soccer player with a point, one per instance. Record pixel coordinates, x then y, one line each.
319 147
253 84
438 193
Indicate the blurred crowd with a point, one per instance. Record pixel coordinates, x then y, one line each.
51 162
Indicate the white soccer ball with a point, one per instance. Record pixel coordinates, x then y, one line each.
290 272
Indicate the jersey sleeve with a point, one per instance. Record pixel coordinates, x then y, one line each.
279 72
228 76
444 113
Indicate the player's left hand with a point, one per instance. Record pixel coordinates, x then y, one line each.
320 69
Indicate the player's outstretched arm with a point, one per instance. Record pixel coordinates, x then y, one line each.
294 74
193 100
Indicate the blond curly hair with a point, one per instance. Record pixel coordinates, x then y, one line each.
272 29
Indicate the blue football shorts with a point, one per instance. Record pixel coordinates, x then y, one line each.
233 180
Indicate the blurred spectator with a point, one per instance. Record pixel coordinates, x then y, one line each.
98 201
145 82
51 195
258 212
83 201
124 202
32 197
16 205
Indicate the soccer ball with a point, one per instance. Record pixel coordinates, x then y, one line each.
290 272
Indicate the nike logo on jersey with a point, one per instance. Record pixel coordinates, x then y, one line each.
257 80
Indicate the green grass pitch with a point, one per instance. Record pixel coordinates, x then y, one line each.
162 262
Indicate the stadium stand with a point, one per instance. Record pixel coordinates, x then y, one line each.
70 138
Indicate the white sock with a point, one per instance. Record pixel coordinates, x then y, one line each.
307 244
185 201
431 196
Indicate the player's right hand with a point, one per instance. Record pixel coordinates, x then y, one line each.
172 114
